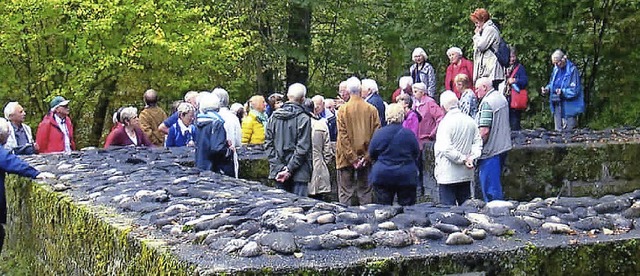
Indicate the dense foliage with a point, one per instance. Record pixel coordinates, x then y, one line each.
104 54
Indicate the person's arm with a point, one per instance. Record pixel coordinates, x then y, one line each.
521 78
485 39
12 164
42 136
431 83
144 124
303 144
444 144
247 129
485 121
343 139
269 146
110 137
375 125
171 137
437 114
375 147
448 78
476 147
573 89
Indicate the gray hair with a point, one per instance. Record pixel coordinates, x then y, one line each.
317 98
557 55
484 81
394 113
448 100
419 51
419 86
297 92
184 108
329 102
405 81
354 86
10 108
208 102
128 113
223 95
454 50
190 95
370 84
5 130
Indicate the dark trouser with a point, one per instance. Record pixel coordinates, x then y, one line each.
294 187
1 236
455 193
352 183
489 172
386 194
515 118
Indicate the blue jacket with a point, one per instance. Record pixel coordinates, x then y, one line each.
394 151
211 142
571 98
375 100
175 137
9 163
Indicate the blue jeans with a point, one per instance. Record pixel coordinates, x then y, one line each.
450 194
489 171
294 187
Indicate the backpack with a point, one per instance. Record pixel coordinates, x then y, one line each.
503 54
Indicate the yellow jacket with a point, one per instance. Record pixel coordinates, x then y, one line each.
252 130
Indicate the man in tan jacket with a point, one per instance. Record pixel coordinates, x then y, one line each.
357 121
151 117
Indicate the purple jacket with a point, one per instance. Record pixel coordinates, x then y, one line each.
411 122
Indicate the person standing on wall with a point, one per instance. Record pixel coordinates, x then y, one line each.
565 92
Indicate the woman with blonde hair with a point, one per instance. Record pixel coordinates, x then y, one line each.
255 122
468 100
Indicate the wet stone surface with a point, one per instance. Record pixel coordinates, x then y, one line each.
209 217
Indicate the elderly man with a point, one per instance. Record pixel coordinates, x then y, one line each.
213 150
457 145
357 121
55 131
288 143
190 97
370 94
565 92
151 117
20 140
493 123
404 87
325 115
457 65
232 127
10 163
343 94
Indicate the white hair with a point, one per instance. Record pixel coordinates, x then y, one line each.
448 100
419 86
10 108
329 102
223 95
235 107
317 98
128 113
484 81
297 92
208 102
190 95
4 128
354 85
419 51
184 108
557 55
454 50
405 81
369 84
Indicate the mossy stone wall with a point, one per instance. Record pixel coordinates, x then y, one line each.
58 236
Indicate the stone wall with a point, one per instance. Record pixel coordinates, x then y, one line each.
139 211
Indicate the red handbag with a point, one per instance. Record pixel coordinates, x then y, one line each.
519 100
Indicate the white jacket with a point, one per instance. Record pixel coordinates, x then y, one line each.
457 137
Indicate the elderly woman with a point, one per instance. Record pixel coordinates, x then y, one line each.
213 150
320 185
457 65
517 79
412 117
130 132
182 133
404 87
422 71
254 124
394 151
565 92
468 103
485 42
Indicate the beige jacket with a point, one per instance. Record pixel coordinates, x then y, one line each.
357 121
322 154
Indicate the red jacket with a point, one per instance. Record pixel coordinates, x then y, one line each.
50 137
465 67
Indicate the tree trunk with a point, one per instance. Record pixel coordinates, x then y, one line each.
299 36
100 113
